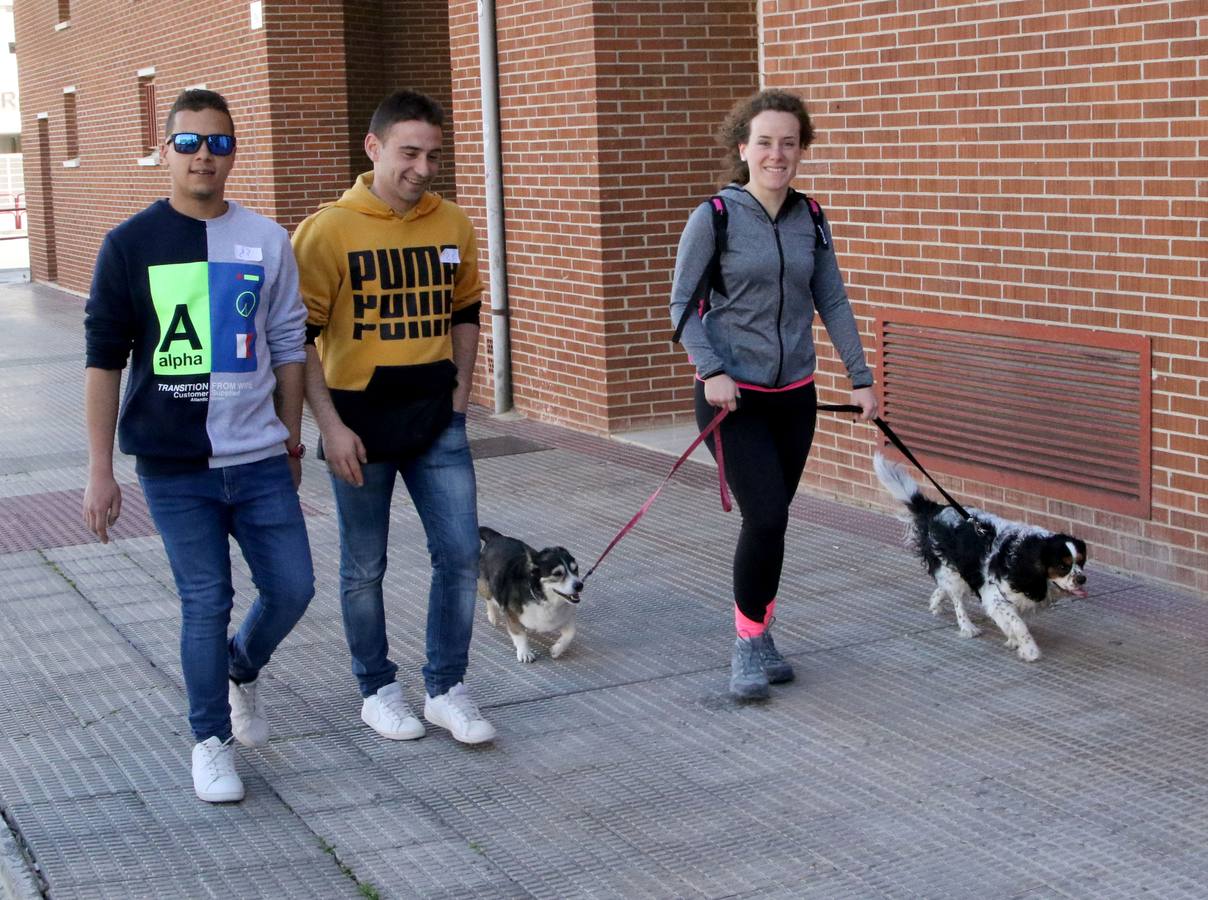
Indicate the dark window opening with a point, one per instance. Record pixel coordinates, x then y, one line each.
146 111
70 128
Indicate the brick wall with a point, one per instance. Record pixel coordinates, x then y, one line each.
100 54
607 117
666 76
1022 161
288 85
395 44
305 162
551 184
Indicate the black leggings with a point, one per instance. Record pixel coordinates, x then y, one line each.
766 442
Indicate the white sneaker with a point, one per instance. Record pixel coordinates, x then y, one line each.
455 711
387 713
248 723
214 776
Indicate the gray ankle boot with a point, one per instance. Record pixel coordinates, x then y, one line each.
748 680
776 666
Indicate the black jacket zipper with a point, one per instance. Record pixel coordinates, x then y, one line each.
780 309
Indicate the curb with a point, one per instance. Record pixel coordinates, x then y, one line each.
17 879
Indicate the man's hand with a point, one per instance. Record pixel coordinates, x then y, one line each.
465 352
345 453
866 399
102 505
722 392
102 496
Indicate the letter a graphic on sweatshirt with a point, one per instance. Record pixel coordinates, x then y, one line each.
181 295
180 329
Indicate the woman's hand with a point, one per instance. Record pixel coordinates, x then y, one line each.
866 399
721 391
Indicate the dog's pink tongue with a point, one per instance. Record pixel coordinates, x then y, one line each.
1080 592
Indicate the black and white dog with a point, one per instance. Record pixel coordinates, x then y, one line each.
527 588
1010 567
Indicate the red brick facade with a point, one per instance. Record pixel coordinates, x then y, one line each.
100 54
1024 161
607 112
300 136
1017 161
391 44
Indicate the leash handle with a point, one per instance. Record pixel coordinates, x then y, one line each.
721 475
905 451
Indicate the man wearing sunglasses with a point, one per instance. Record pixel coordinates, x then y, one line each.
390 280
201 297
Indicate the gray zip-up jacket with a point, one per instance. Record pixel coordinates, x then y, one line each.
759 333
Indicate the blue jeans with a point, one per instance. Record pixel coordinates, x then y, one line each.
196 513
441 484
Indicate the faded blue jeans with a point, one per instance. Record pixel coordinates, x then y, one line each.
196 513
442 486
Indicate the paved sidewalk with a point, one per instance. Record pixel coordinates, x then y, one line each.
904 762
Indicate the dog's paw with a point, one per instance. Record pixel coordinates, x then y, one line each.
1028 652
491 617
558 649
526 655
970 631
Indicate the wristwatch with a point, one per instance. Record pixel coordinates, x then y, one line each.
297 451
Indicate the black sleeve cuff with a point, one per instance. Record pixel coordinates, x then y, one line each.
102 354
467 315
711 374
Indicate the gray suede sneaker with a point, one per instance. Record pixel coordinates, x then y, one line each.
776 666
748 680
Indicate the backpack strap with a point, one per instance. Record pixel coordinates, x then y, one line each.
821 242
710 279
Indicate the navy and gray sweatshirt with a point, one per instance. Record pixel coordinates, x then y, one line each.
759 333
206 310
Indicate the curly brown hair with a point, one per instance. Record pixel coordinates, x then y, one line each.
736 129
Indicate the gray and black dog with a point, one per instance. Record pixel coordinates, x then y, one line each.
529 589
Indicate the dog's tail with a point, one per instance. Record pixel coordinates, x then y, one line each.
898 482
485 534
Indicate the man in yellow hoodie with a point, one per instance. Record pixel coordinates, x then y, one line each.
389 274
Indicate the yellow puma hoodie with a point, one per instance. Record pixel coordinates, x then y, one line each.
383 293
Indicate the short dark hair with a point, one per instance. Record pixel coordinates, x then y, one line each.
736 129
195 100
405 106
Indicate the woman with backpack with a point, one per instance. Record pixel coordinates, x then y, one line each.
754 264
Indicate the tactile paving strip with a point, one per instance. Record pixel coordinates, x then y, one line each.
40 521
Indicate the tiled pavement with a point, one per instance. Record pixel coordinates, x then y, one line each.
904 762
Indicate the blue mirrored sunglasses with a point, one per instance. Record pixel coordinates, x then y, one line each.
189 142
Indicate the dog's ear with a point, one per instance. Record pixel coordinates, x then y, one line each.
1037 553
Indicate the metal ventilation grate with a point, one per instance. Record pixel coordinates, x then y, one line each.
1055 411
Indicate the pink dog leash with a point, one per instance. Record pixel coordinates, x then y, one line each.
721 482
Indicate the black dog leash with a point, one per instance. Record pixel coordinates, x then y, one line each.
897 442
